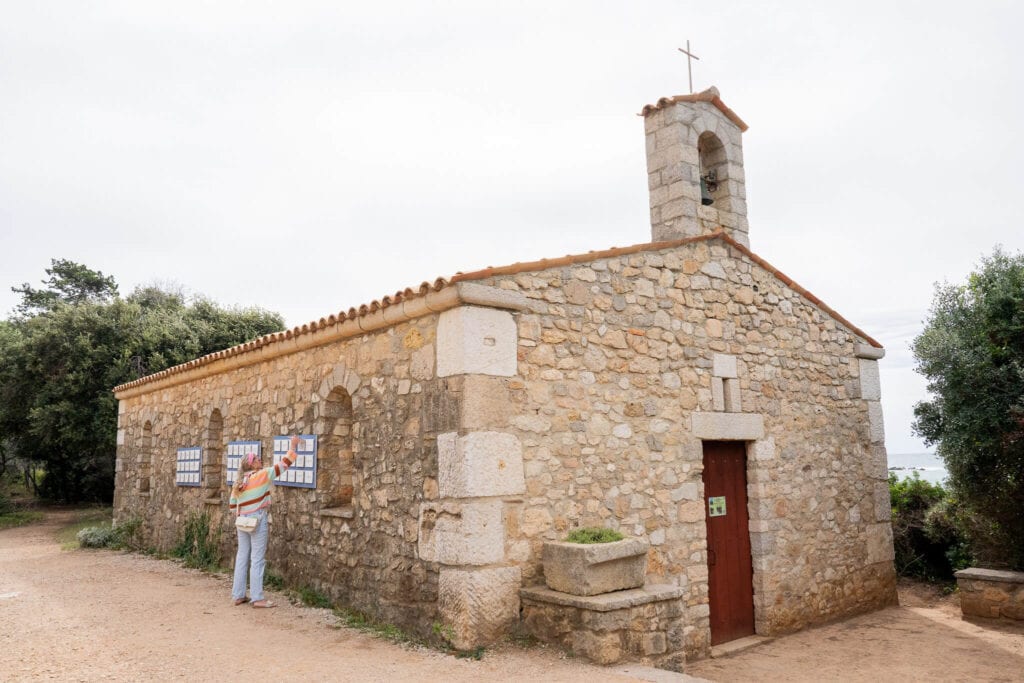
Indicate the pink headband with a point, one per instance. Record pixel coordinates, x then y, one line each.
251 459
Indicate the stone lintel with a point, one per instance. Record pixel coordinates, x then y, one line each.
996 575
727 426
869 352
723 365
605 602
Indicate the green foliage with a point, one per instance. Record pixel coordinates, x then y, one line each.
198 544
71 343
273 581
926 537
96 537
311 597
594 535
367 624
69 283
972 354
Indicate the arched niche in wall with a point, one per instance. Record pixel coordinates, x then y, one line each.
714 168
213 453
336 467
146 458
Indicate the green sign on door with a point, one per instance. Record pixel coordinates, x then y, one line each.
716 506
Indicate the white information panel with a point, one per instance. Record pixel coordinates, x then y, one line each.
235 452
303 472
188 467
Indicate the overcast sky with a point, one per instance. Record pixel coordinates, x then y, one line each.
311 156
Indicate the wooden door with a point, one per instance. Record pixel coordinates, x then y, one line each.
730 571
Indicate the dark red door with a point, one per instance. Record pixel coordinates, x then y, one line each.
730 572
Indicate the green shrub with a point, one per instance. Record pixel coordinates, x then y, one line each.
198 545
95 537
594 535
118 537
927 528
126 533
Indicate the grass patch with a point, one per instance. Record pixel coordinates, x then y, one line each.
588 535
273 581
367 624
67 536
19 518
311 597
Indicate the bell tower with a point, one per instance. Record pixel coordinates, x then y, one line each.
695 167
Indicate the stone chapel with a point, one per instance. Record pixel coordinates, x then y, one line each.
682 391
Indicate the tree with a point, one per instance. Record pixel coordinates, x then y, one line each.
75 341
972 354
70 283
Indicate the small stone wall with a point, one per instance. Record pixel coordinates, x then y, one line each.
991 594
642 624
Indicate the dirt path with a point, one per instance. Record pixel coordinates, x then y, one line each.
101 615
925 639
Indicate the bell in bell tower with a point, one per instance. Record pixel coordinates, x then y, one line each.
695 167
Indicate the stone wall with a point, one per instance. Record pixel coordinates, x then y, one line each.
513 407
991 593
617 388
377 406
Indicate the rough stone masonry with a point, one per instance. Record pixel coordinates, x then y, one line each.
464 423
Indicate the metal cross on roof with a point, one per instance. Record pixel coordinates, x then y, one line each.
689 69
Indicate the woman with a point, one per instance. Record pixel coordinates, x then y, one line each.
250 497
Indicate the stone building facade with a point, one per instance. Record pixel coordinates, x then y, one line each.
463 424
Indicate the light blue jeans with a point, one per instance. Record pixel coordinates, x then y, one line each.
251 559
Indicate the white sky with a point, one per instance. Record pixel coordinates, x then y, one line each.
311 156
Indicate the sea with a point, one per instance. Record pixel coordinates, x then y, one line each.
927 465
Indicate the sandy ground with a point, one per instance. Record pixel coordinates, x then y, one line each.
102 615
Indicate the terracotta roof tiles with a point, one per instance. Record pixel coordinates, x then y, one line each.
710 95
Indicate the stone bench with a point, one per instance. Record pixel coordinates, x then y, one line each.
991 593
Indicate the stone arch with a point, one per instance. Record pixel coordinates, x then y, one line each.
334 422
714 167
213 452
145 458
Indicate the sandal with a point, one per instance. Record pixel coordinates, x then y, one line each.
241 601
264 604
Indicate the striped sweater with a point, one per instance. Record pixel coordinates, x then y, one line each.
254 494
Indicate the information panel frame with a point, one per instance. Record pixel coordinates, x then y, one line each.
233 455
302 474
188 467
